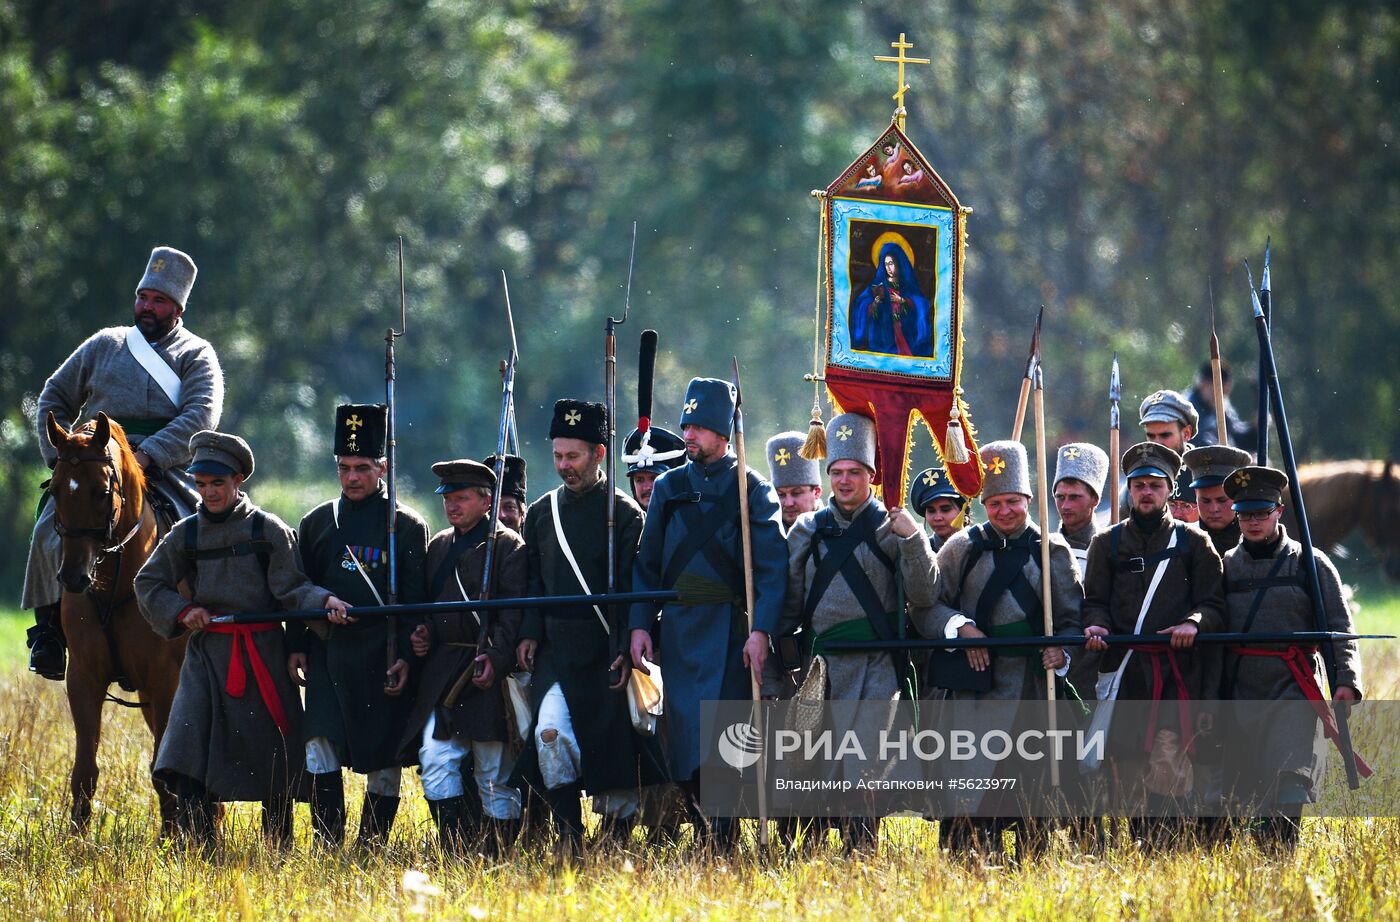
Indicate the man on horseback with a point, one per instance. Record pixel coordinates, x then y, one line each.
355 709
162 384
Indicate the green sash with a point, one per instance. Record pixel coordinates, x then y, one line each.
143 427
1020 628
860 629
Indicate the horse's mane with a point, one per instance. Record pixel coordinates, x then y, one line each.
129 470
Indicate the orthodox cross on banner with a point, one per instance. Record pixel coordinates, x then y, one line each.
900 46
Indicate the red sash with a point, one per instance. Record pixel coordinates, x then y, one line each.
237 682
1183 699
1294 657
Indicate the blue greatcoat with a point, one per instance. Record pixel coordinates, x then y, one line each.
701 646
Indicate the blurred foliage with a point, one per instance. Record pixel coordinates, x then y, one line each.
1116 156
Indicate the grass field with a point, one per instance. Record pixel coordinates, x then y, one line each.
1344 869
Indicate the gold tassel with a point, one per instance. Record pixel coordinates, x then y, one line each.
955 450
814 448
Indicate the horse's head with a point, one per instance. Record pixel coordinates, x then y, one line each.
94 479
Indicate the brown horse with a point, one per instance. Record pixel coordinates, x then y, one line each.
108 530
1346 495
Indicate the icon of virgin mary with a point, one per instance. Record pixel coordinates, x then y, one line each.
891 315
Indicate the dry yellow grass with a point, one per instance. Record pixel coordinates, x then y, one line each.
1344 869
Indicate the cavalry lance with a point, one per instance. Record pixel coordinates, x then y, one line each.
432 608
1266 304
1134 640
746 540
1115 393
1285 441
1043 490
1217 377
390 441
610 392
483 637
1031 361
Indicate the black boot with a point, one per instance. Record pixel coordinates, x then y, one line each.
617 832
328 809
567 810
194 813
47 648
277 821
862 834
448 815
500 837
376 820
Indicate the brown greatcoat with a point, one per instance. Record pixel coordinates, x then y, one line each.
228 744
1190 590
477 714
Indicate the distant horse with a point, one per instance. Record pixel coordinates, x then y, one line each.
108 531
1346 495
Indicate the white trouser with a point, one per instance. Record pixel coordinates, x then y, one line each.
440 762
321 760
559 756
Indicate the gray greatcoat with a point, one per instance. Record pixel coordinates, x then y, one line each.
1014 678
859 676
1294 742
103 376
958 596
229 744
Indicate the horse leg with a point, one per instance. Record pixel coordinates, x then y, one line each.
85 704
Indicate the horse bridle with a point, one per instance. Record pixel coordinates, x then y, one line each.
114 489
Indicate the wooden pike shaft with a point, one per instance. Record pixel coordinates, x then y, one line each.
1045 595
1021 409
1218 388
746 538
1114 471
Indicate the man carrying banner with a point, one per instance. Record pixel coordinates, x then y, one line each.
850 566
945 510
1209 467
163 384
583 737
355 709
459 712
990 586
797 481
1265 592
226 741
1152 574
692 542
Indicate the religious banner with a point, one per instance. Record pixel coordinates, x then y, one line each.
892 236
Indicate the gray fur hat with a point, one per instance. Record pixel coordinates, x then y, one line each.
850 437
1008 471
171 273
220 454
1083 462
786 467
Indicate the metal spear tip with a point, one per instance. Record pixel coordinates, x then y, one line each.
1264 283
738 390
1115 382
1253 295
